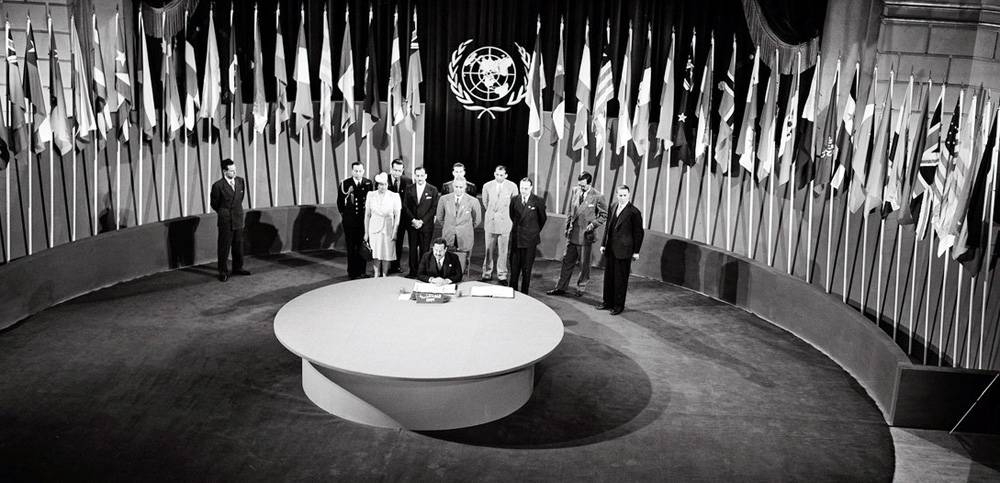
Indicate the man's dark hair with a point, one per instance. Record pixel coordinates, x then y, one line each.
587 177
357 163
226 163
439 241
458 165
528 180
398 161
623 187
500 166
419 168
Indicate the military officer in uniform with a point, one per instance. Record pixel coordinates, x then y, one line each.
351 203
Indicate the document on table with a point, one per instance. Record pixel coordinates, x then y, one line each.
422 287
496 291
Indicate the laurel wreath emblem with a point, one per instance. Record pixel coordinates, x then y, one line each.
465 98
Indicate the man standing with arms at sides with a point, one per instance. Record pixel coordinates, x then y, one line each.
621 245
457 173
351 203
527 212
587 211
496 223
227 202
398 182
459 215
420 204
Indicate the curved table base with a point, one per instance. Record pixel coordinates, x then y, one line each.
417 405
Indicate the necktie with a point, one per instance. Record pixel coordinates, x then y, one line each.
580 201
457 201
232 184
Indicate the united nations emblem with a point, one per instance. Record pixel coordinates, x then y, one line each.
487 79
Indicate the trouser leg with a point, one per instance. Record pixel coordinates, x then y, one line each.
624 267
515 268
355 264
585 259
400 234
609 281
527 260
503 254
224 242
491 251
413 237
569 259
237 246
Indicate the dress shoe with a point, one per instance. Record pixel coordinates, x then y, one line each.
617 310
411 275
240 272
556 291
603 306
578 293
486 279
503 283
223 277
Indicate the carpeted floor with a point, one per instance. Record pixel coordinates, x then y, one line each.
179 377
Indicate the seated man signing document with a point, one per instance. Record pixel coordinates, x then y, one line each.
439 266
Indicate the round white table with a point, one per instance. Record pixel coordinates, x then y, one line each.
374 359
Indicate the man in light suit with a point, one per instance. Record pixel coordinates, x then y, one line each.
621 245
459 215
398 183
496 223
527 213
587 211
440 266
227 201
457 173
420 203
351 203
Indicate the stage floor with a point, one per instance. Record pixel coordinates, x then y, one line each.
177 376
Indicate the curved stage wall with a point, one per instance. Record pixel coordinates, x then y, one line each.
908 394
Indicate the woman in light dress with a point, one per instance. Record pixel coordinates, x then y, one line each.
382 209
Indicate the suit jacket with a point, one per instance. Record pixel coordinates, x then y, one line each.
423 209
623 235
496 199
593 211
452 268
528 221
458 225
228 203
404 182
470 188
351 201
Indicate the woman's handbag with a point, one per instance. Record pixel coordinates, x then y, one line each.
365 251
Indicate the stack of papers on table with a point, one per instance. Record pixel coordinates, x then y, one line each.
497 291
421 287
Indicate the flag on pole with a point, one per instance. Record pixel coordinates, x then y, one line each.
680 130
931 157
326 78
727 108
211 86
703 135
83 116
805 151
99 83
5 153
966 171
58 115
17 130
260 109
414 76
395 90
875 182
624 130
372 105
765 148
148 113
605 89
828 153
123 82
972 247
898 153
859 163
914 154
640 125
171 99
345 73
41 129
233 97
745 143
191 101
280 75
536 82
303 107
665 128
786 151
845 148
559 91
580 131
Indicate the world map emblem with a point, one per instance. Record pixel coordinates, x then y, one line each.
487 80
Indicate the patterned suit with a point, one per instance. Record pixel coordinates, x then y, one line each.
459 218
351 203
496 225
227 202
585 214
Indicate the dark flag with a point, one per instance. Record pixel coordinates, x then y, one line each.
684 152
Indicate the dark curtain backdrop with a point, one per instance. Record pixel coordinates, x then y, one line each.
453 134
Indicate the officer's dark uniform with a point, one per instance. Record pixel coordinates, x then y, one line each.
351 203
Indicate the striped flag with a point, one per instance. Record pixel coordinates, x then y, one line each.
191 101
859 163
102 111
943 175
280 75
931 157
727 108
395 90
17 130
916 152
665 128
260 109
41 129
123 82
745 143
580 128
898 151
148 112
640 125
414 76
624 98
58 112
681 143
765 147
559 91
605 89
786 146
326 78
703 135
845 147
303 107
536 83
211 85
171 99
83 115
345 73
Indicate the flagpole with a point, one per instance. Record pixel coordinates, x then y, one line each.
52 165
185 206
927 287
6 184
277 160
913 290
118 182
535 182
233 100
163 131
347 163
322 169
989 253
729 212
707 174
559 173
878 287
770 218
647 208
968 323
809 231
955 316
31 124
666 193
944 291
687 201
864 258
751 239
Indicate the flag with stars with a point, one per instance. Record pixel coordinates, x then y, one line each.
786 153
681 145
41 130
665 128
58 109
605 89
17 130
123 82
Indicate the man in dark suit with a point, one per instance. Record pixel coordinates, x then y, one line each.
439 266
457 173
351 203
621 245
227 202
420 202
398 182
527 215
